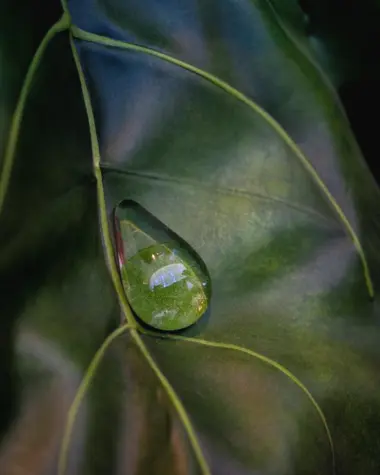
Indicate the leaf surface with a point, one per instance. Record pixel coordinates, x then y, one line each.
216 119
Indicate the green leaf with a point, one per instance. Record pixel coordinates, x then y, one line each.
217 120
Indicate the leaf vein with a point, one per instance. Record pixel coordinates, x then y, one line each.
264 359
115 276
94 38
222 190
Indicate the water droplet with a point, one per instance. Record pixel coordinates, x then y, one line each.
165 280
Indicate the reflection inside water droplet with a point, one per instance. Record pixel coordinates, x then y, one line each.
165 280
167 275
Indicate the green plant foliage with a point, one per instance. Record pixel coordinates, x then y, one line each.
215 117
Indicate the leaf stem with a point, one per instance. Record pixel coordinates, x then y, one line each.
100 191
176 403
81 393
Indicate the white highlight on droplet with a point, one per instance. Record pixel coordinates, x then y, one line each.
167 275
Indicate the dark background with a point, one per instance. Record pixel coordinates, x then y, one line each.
350 33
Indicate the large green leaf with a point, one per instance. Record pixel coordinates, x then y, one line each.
215 118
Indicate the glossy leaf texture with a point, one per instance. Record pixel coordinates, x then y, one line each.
215 117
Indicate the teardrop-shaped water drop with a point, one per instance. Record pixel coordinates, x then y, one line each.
165 280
